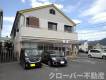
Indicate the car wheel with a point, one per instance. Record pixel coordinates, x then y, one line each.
24 66
40 66
104 57
89 56
49 63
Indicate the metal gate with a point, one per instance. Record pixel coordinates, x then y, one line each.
7 55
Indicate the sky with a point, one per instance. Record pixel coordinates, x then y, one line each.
89 15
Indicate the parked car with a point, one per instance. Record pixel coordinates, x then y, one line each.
97 53
54 58
30 58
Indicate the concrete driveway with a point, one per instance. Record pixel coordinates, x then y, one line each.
82 68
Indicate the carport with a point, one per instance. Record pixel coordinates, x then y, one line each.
68 47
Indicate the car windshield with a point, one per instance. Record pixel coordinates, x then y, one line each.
95 51
31 52
56 53
98 51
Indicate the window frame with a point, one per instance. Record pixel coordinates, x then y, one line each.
30 24
52 11
27 21
95 51
52 24
66 30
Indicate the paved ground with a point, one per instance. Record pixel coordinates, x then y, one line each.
83 68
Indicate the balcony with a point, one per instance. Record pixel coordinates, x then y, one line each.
34 33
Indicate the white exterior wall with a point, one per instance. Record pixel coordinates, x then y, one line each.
104 47
84 46
97 46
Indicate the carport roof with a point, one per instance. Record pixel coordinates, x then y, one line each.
57 41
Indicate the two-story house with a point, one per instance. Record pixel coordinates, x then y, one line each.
44 27
1 21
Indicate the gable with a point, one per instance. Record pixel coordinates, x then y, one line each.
44 14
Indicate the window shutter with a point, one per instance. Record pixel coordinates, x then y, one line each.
33 22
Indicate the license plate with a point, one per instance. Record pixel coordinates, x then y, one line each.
62 62
32 65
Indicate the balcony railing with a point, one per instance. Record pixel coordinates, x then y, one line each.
43 33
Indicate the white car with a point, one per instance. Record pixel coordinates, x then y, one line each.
97 53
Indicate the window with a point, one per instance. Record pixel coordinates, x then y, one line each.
68 28
52 11
17 30
52 26
27 21
32 22
95 51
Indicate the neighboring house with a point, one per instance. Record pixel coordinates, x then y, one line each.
83 45
97 46
94 45
104 47
3 40
44 27
103 44
100 44
1 20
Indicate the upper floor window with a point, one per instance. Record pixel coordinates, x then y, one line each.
32 22
68 28
52 26
52 11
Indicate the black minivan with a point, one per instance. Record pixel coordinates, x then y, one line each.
30 58
54 58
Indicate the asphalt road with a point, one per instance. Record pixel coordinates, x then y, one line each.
82 68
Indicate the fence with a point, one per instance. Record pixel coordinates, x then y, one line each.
7 55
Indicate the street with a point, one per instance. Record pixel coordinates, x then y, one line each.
82 68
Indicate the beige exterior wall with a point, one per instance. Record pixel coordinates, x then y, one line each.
45 15
43 32
17 39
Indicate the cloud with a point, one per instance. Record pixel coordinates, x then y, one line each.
100 17
44 0
60 6
69 9
104 27
91 34
6 30
97 11
8 19
97 7
77 21
23 1
72 8
36 3
7 25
